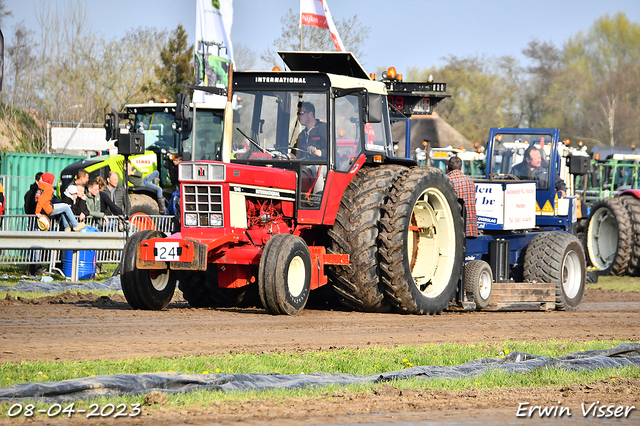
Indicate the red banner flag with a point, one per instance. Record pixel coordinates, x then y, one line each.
316 13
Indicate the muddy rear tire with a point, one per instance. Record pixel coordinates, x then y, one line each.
142 204
422 240
557 257
355 232
200 289
609 236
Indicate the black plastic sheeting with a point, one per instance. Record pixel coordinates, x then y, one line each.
623 355
112 284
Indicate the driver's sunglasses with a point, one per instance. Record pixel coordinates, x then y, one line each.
302 112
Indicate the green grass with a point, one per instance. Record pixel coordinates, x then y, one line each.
617 283
359 361
16 271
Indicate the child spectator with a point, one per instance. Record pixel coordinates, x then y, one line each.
78 205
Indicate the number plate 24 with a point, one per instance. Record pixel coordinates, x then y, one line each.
166 250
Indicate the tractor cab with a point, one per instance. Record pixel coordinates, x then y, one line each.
322 120
537 158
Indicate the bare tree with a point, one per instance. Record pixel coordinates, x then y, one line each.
125 65
245 58
4 12
537 104
352 32
21 58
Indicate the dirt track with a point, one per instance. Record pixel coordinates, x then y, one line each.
73 327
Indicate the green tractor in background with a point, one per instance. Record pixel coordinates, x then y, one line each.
156 122
612 198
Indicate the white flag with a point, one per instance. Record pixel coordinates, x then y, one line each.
316 13
213 49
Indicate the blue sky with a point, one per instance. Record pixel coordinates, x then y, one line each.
404 33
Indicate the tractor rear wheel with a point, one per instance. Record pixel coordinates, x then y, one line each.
196 287
557 257
478 280
284 275
609 236
200 289
422 240
355 232
148 289
633 210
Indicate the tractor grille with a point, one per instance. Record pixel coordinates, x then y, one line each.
202 205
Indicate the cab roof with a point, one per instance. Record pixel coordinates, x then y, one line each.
340 63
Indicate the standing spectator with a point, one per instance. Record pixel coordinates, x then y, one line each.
115 191
135 177
81 183
106 205
2 202
34 269
82 177
78 205
97 202
30 196
466 189
63 210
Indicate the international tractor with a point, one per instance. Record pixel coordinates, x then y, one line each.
155 123
526 223
304 191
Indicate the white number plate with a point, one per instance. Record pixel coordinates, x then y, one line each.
167 252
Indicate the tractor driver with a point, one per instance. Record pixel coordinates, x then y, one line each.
531 169
313 138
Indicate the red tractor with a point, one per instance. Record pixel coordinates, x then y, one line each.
307 191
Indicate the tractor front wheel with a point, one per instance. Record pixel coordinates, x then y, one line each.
284 275
147 289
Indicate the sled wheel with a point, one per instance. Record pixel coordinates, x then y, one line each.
558 258
478 279
284 276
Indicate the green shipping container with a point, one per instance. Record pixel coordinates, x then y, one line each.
19 170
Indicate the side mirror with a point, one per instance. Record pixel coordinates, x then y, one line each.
374 110
182 106
595 179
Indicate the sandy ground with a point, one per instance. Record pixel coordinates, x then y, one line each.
80 327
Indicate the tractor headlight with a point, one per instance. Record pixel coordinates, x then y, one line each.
191 219
215 220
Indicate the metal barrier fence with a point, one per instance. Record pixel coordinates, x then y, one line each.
25 226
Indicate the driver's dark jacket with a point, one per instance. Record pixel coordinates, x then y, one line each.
521 171
316 136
